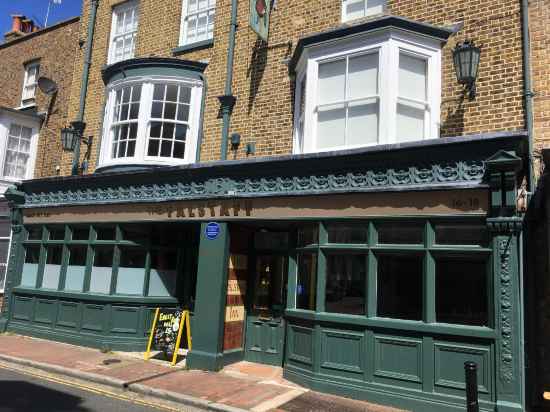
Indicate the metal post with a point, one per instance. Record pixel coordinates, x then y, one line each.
472 403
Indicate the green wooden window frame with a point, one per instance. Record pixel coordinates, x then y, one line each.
42 236
428 250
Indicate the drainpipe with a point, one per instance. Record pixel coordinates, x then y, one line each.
527 89
85 76
227 101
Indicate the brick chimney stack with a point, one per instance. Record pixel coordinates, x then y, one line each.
21 26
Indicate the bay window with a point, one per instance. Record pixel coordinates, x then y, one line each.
151 121
367 90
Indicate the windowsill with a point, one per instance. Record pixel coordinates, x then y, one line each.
26 106
93 297
410 325
187 48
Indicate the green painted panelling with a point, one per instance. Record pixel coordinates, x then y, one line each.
45 311
124 320
23 308
300 344
68 315
343 353
449 362
397 359
93 317
264 340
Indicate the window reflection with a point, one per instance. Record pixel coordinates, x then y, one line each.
345 288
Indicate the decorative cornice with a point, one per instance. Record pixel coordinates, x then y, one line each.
447 163
412 177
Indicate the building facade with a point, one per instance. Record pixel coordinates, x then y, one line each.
29 118
308 178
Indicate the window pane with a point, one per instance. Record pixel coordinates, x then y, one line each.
4 249
461 234
80 233
400 287
30 268
410 123
331 128
5 227
308 235
74 279
332 79
375 7
52 269
34 232
306 286
100 280
412 77
362 125
162 278
57 233
347 233
400 233
105 233
363 76
345 288
136 233
461 291
354 9
131 272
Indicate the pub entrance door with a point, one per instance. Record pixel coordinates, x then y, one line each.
265 326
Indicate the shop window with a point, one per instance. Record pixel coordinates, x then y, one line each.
163 274
136 233
306 286
76 270
461 234
34 232
367 91
347 234
57 233
102 269
400 287
80 233
346 284
30 267
123 32
356 9
461 291
52 269
131 271
400 233
197 21
307 235
105 233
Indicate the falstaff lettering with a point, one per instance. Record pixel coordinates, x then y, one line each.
205 210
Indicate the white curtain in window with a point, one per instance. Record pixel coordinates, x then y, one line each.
355 9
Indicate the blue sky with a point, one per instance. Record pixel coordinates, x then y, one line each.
36 9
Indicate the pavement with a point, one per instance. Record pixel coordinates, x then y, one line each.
240 387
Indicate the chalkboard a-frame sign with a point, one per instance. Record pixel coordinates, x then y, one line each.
166 332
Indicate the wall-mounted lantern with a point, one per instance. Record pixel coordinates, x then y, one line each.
71 137
466 61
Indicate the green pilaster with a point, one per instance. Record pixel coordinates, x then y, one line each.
207 353
15 198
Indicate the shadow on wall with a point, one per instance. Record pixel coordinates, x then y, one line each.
453 125
256 70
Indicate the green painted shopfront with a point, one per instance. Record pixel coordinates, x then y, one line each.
374 273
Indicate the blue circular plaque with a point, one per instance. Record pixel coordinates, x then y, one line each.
212 231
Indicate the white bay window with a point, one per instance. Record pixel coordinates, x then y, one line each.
151 121
367 90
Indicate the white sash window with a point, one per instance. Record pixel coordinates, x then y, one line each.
197 21
123 32
356 9
30 83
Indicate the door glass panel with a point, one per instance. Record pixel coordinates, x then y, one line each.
269 291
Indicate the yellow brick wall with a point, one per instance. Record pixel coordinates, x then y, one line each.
262 85
56 49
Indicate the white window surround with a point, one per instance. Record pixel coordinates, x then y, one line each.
356 9
122 42
389 43
201 15
144 122
30 84
6 120
5 264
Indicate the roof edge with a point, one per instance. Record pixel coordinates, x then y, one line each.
39 32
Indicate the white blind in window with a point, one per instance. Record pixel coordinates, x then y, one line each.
355 9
